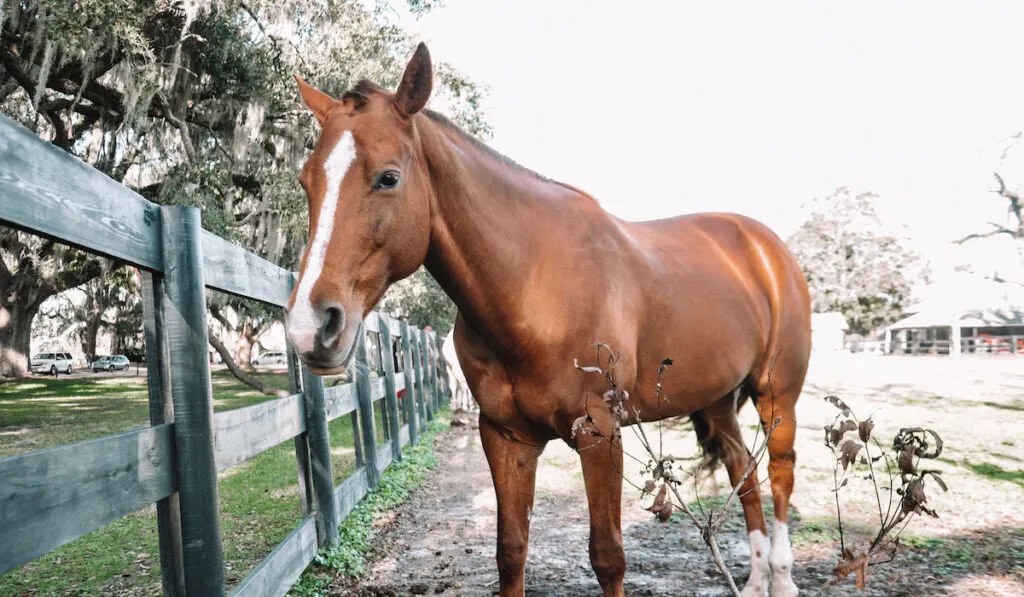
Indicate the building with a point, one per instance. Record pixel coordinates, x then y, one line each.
938 331
828 331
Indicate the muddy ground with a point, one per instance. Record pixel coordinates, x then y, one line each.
442 541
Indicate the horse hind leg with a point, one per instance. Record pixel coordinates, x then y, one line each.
718 431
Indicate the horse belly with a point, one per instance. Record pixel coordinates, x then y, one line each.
714 339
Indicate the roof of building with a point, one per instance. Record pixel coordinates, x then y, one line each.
973 318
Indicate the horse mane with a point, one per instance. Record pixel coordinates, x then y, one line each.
360 95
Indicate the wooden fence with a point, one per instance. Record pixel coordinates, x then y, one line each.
50 497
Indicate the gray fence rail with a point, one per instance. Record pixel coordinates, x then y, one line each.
53 496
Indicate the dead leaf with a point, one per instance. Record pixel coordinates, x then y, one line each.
579 425
660 500
838 403
666 511
857 565
649 488
576 363
865 429
849 452
905 460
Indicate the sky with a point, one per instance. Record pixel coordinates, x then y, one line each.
663 108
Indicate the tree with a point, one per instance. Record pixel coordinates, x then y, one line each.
1014 228
190 103
851 265
420 299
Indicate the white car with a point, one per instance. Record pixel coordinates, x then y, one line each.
51 363
270 358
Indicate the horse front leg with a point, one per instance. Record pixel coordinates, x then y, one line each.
513 462
601 458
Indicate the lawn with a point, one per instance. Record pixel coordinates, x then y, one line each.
259 498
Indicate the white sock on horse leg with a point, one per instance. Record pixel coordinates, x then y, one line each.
781 559
757 584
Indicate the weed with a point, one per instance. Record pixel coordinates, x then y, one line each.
348 557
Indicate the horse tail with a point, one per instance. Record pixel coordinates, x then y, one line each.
711 445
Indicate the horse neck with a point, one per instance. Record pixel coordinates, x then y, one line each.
486 235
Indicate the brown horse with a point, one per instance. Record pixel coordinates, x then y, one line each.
539 271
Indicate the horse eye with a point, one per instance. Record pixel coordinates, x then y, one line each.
386 180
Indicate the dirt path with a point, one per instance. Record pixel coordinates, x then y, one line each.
442 541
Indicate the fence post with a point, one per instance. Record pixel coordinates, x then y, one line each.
410 381
301 441
428 410
192 394
365 394
387 359
445 380
417 365
161 410
438 371
319 441
432 371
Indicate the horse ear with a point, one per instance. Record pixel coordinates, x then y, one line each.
414 90
318 102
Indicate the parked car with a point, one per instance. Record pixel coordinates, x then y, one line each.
270 358
117 362
51 362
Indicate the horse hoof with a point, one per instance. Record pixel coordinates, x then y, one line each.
784 588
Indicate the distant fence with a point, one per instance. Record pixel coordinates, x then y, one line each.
968 345
50 497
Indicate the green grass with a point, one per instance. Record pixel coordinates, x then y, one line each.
259 498
348 557
997 473
814 532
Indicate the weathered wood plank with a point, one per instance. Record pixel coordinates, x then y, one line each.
319 441
240 434
161 410
350 491
419 398
49 192
301 441
403 435
387 352
364 390
49 497
409 382
192 393
371 323
378 389
232 269
279 571
384 458
340 400
395 326
399 383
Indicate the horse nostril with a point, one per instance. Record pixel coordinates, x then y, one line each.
334 323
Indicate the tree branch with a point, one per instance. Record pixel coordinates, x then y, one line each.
996 231
240 375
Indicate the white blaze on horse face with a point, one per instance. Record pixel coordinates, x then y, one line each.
303 322
781 560
760 573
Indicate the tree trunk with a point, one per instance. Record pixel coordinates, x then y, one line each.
243 346
90 334
15 336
